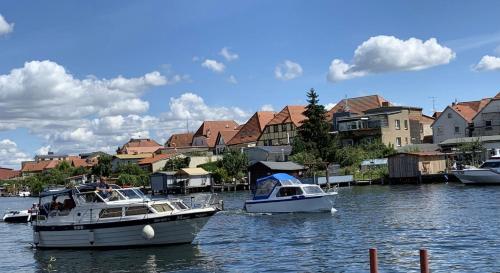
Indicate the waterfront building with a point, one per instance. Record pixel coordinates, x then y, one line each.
268 153
181 140
223 137
487 121
265 168
489 144
415 164
124 159
192 178
454 120
207 133
139 146
282 128
6 173
392 125
250 132
155 163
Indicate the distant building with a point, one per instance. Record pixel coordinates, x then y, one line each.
413 165
206 135
180 140
124 159
393 125
282 128
221 141
454 120
190 178
155 163
32 167
268 153
349 107
250 132
139 146
51 156
6 173
487 121
265 168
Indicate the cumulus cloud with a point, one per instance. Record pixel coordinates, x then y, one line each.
287 70
232 79
228 55
5 27
267 107
488 63
382 54
10 155
214 65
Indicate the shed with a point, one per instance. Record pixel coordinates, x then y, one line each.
163 182
412 165
194 177
266 168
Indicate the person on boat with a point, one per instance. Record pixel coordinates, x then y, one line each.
54 205
103 188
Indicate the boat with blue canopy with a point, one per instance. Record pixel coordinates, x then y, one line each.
284 193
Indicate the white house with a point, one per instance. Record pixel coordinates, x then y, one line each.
487 121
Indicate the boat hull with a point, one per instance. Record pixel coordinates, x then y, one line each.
478 176
167 230
305 204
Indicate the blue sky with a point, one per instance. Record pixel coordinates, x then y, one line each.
136 67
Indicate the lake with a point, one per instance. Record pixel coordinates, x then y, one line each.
459 225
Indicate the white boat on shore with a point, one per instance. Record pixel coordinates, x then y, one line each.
19 216
282 193
487 173
24 194
87 217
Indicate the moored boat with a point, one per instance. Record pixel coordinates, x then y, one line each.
89 217
282 193
19 216
487 173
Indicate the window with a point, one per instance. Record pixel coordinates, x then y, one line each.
283 127
276 128
406 140
487 124
449 115
313 190
111 212
406 124
457 129
397 124
289 191
398 142
136 211
162 207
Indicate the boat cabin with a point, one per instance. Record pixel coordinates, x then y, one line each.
283 185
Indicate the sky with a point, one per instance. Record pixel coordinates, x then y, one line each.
82 76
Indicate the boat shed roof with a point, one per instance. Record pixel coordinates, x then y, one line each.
193 171
454 141
282 166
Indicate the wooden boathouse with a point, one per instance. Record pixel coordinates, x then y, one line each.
414 166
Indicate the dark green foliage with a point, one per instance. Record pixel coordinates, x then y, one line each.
235 163
131 175
103 167
176 163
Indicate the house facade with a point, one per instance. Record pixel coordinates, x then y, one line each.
250 132
139 146
282 129
392 125
206 135
222 139
487 120
350 107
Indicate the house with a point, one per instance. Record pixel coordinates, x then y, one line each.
139 146
190 178
268 153
51 156
415 164
6 173
180 140
206 135
354 107
163 182
124 159
454 120
155 163
264 168
29 168
487 121
250 132
282 128
222 138
392 125
489 143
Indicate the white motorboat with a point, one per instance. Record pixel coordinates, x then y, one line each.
88 217
19 216
284 193
487 173
24 194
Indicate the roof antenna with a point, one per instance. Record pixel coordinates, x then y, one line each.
187 125
433 103
346 108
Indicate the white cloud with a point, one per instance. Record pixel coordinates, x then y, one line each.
382 54
195 59
10 155
5 27
488 63
329 106
214 65
43 150
232 79
228 55
267 107
287 70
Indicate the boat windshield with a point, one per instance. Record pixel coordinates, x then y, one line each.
313 190
264 188
131 193
490 164
290 182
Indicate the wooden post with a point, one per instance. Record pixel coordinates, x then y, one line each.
373 260
424 261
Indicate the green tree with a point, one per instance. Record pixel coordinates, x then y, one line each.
313 135
235 163
35 185
176 163
103 167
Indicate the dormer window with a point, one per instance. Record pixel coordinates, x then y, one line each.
487 124
449 115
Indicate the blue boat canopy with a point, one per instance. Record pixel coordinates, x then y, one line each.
55 192
264 186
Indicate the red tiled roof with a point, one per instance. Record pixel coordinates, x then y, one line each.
180 140
227 135
6 173
497 97
39 166
291 113
210 129
139 146
252 129
465 111
154 159
76 162
357 105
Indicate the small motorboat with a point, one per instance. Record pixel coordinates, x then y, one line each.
487 173
24 194
91 217
284 193
19 216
